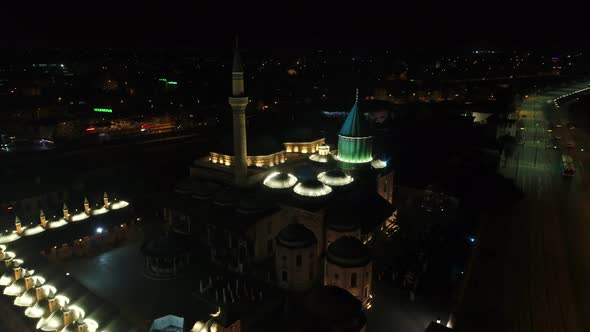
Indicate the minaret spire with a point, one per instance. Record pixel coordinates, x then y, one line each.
237 64
238 102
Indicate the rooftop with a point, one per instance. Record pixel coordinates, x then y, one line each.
295 236
348 251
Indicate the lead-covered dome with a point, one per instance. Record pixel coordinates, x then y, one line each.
378 164
348 251
204 190
312 188
253 204
279 180
318 158
335 178
296 236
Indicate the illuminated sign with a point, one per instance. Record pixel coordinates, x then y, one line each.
103 110
167 82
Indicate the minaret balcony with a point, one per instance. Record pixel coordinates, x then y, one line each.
238 101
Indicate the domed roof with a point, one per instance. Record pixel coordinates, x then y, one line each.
280 180
296 236
225 197
336 307
321 159
253 204
312 188
335 177
341 221
378 164
183 187
348 251
204 190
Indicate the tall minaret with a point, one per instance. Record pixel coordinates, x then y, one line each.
238 103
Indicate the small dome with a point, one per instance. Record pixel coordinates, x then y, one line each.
280 180
348 251
183 187
335 178
296 236
312 188
321 158
225 197
378 164
253 204
204 190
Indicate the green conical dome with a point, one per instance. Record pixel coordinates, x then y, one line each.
355 124
355 144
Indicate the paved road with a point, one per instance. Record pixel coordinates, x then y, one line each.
532 262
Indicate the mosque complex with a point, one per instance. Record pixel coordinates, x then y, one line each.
301 218
294 222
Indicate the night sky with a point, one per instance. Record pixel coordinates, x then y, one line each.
292 24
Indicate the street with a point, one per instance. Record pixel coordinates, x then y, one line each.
532 261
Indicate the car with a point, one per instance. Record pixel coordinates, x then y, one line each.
571 126
557 137
559 125
571 144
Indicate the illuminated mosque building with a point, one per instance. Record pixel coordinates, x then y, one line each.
298 215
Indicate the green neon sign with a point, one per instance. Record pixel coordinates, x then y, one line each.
172 83
162 79
103 110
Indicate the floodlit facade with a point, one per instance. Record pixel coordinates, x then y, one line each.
270 160
304 147
21 231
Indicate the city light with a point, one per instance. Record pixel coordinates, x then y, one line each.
99 230
103 110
